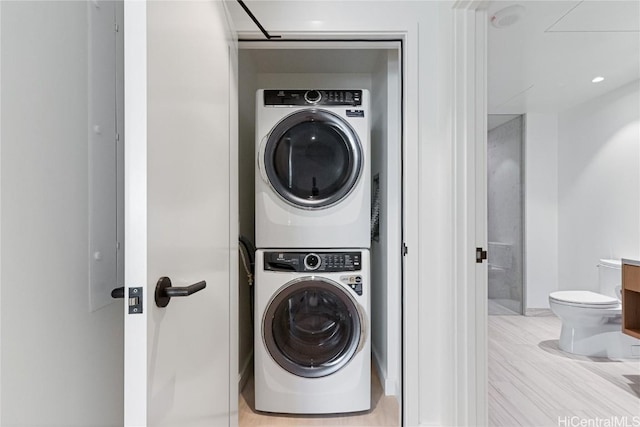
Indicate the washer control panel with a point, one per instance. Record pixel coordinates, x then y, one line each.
288 97
312 261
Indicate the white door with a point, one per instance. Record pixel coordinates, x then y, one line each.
180 213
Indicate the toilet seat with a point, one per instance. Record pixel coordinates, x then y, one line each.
585 299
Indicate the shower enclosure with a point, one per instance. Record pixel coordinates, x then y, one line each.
505 190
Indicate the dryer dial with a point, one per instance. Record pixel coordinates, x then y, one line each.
312 96
312 261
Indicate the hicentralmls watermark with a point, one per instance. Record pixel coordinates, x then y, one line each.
575 421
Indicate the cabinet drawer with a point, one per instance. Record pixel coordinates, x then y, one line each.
631 277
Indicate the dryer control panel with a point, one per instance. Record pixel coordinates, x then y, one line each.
288 97
312 261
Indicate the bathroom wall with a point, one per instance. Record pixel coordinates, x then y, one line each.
541 208
599 185
504 204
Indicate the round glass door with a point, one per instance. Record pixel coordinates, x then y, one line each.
313 158
312 327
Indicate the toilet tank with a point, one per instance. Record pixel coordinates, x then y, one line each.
610 277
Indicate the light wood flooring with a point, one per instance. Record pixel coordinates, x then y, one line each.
385 412
503 307
533 383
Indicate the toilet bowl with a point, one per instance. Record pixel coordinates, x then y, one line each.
591 322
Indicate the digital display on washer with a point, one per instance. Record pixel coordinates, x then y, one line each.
312 261
352 97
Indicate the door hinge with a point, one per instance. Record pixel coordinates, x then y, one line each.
116 27
117 137
405 249
481 255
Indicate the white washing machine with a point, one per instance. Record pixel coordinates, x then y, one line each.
313 169
312 350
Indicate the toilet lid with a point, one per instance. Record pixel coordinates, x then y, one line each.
586 298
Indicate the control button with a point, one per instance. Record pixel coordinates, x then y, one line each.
312 261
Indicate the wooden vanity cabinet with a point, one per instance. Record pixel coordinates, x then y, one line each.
631 300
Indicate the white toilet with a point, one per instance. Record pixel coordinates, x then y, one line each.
591 322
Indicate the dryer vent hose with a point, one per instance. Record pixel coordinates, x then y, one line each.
247 255
375 209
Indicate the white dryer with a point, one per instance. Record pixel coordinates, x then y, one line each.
312 331
313 169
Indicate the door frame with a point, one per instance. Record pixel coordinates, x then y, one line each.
470 210
409 177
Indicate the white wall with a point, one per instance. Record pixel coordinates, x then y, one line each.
541 208
599 185
385 261
379 249
61 363
581 168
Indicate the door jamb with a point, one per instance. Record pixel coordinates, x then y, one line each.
469 207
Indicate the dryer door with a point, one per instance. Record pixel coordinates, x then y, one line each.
313 158
312 327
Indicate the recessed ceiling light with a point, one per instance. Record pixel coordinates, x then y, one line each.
508 16
597 79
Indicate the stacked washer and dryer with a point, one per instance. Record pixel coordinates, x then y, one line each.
312 288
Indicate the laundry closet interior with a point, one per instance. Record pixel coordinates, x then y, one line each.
373 66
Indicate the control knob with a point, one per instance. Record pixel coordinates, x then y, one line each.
312 96
312 261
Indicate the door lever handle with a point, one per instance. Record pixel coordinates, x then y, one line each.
117 292
164 291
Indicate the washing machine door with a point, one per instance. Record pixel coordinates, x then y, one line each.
313 159
312 327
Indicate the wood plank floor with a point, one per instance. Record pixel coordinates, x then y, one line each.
385 412
533 383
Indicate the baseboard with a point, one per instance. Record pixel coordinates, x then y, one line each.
538 312
245 371
389 385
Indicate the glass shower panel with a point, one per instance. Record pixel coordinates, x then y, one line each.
505 214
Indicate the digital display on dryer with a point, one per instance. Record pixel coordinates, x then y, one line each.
288 97
313 261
